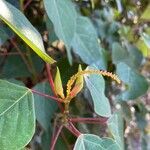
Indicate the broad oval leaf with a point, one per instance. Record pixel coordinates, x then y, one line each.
17 116
62 13
23 28
116 126
136 83
129 55
93 142
96 86
85 43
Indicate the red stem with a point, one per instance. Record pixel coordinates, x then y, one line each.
89 120
27 4
73 129
47 96
50 79
55 137
51 82
10 53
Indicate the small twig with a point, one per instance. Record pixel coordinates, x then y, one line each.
47 96
73 129
27 4
10 53
22 56
50 79
51 82
89 120
55 137
65 140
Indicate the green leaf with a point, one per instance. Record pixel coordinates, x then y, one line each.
146 39
145 14
62 13
115 125
85 43
143 47
15 67
3 35
23 28
129 55
136 83
44 108
96 86
17 116
58 84
93 142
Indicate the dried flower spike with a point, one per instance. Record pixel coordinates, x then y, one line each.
98 72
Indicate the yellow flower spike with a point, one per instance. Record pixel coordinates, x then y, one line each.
58 84
98 72
78 84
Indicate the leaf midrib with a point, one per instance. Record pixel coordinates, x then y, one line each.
11 106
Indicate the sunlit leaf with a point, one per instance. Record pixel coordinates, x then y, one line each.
146 39
23 28
145 14
58 84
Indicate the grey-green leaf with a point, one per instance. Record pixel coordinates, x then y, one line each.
62 13
23 28
96 86
115 125
93 142
136 84
44 108
129 55
85 43
17 116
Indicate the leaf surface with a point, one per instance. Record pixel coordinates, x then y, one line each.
44 108
23 28
62 13
85 43
136 84
17 116
96 86
115 125
90 141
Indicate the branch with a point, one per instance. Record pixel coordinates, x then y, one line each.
73 129
10 53
21 54
55 137
89 120
51 82
47 96
27 4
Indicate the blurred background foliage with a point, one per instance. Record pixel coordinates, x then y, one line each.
123 29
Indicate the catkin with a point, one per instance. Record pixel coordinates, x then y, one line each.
98 72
